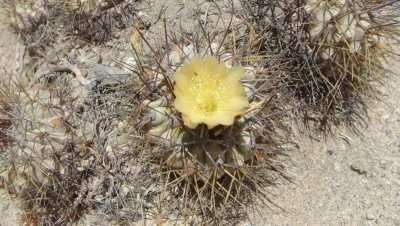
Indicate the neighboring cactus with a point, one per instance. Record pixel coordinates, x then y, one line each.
40 132
339 27
88 8
331 49
26 15
85 18
42 162
5 119
345 44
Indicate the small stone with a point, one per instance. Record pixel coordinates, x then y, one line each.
329 152
214 47
174 58
249 74
358 169
110 152
337 167
99 198
383 164
121 126
117 35
109 44
131 62
188 51
370 216
125 190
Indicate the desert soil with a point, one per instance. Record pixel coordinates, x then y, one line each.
347 179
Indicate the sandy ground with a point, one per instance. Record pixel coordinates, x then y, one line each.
349 179
346 180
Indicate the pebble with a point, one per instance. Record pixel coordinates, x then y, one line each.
131 62
370 216
117 35
249 73
110 152
109 44
337 167
383 164
358 169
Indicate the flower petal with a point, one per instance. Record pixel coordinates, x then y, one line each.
235 90
211 65
188 122
236 104
234 75
197 67
207 93
180 80
220 118
183 105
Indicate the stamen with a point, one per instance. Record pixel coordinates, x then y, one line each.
208 90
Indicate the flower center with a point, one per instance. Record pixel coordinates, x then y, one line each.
208 92
207 108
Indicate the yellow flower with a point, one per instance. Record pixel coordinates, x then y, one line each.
207 93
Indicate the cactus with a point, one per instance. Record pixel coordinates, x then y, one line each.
207 165
42 163
39 130
180 152
192 149
26 15
346 45
339 25
5 119
89 8
332 49
82 17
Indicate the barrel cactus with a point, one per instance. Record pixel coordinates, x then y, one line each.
5 119
26 15
204 130
181 149
90 7
46 159
39 132
40 18
339 27
341 52
209 129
